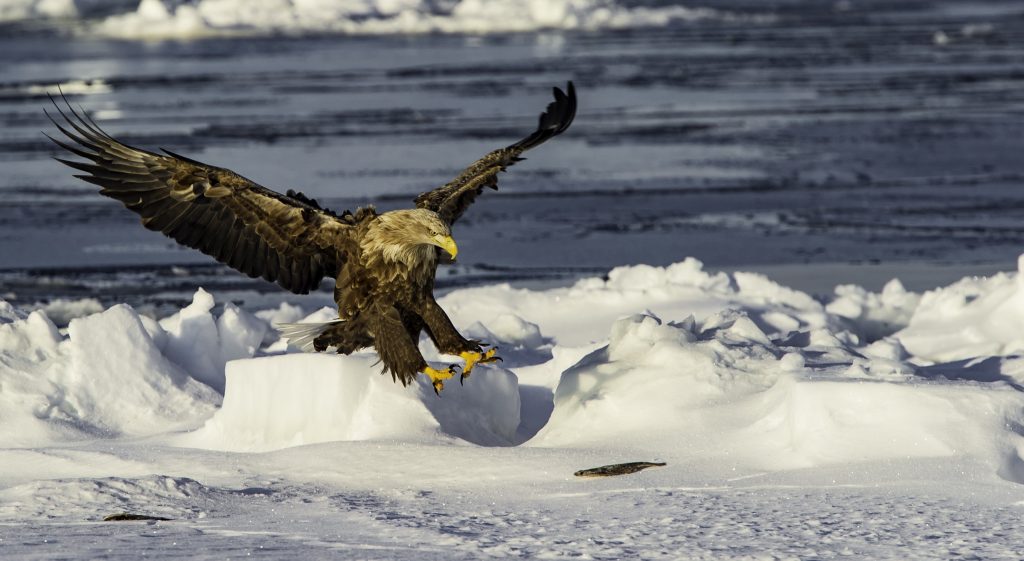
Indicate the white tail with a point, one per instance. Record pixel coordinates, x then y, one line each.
301 335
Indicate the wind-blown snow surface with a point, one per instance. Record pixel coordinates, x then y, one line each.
881 425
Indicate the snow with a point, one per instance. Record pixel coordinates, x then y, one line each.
14 10
282 401
903 408
62 310
202 345
975 317
158 19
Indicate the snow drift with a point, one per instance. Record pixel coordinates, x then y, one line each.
975 317
724 391
726 370
106 378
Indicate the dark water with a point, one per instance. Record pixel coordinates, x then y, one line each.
849 133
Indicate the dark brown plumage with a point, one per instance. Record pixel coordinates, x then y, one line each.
383 264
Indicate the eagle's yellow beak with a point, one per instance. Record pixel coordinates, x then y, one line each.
448 244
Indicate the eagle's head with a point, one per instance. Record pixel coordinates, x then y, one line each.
407 235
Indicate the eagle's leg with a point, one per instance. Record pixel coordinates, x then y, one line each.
399 353
448 340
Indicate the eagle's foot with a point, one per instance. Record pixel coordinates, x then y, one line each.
437 377
474 358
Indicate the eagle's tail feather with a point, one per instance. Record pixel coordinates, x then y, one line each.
302 335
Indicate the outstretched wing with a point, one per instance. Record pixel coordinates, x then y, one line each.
451 200
287 239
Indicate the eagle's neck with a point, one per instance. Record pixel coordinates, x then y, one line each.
390 247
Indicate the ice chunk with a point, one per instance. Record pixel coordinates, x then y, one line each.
289 400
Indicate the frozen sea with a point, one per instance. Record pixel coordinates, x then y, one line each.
866 135
815 143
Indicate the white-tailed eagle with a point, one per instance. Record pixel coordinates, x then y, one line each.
383 264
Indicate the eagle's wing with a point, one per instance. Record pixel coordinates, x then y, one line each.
287 239
451 200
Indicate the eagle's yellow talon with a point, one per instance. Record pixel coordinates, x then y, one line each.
437 377
474 358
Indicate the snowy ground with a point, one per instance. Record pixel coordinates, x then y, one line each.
881 425
823 413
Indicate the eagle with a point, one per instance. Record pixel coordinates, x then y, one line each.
383 264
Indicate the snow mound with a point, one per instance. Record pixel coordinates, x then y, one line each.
290 400
28 346
107 378
581 314
724 391
111 354
202 344
975 317
645 385
803 423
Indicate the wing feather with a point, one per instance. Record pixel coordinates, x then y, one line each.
288 239
452 199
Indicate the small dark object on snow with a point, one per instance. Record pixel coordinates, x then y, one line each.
617 469
126 517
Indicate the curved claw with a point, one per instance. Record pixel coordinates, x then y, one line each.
437 377
474 358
